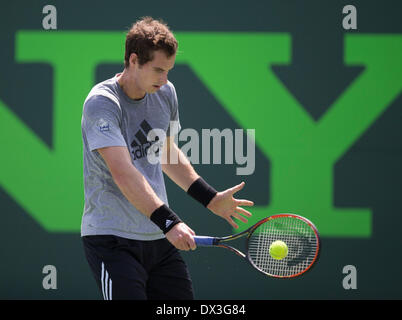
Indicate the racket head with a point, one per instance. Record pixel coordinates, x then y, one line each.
300 235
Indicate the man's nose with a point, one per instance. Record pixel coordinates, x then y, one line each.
164 78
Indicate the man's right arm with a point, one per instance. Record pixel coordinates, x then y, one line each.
138 191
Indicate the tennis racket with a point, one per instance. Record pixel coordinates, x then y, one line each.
299 234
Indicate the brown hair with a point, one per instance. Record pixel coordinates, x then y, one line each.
147 36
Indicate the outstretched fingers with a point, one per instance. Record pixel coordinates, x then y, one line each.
236 188
246 203
243 212
232 223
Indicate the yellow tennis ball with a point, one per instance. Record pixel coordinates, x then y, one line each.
278 250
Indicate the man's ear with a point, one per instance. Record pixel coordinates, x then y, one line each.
133 59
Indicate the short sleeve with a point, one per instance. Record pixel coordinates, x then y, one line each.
101 123
174 126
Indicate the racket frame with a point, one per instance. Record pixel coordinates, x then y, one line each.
285 215
217 242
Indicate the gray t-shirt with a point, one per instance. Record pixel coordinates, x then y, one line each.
111 118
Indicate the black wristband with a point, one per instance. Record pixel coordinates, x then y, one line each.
165 218
202 191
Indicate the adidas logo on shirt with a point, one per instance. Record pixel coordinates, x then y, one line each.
141 146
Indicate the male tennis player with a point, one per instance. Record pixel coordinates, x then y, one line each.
130 234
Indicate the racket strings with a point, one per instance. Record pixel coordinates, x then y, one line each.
299 237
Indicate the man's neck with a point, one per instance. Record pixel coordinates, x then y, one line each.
129 86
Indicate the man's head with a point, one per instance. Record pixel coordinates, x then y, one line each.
150 53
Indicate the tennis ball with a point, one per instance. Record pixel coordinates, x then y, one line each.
278 250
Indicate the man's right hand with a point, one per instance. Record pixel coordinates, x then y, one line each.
182 237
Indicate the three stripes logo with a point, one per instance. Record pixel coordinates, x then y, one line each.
168 223
106 283
141 146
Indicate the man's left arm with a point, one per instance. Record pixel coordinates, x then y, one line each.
179 169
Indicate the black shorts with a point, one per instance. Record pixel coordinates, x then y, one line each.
137 270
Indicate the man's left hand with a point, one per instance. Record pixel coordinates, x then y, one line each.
227 207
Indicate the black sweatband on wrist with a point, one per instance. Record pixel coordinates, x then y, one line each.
202 191
165 218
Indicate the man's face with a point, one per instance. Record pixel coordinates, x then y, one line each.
152 75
